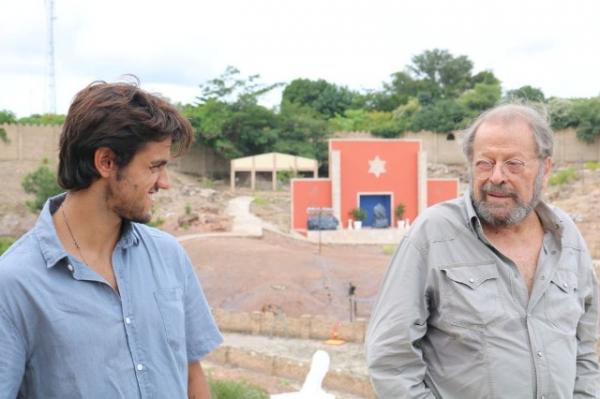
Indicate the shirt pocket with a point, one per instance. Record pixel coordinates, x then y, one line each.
469 294
561 301
171 308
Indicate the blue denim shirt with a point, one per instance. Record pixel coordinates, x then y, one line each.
65 333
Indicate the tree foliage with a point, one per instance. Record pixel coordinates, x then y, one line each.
42 184
43 119
7 116
527 94
325 98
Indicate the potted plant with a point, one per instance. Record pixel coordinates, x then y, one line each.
358 215
399 213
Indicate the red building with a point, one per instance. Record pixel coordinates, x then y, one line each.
367 172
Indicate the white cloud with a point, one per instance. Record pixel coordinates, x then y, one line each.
173 46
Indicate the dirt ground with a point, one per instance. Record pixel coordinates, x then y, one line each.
287 275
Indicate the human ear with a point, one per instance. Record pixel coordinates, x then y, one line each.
105 161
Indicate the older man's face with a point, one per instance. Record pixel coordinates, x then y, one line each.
508 192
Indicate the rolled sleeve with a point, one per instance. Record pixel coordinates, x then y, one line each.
398 323
201 331
12 358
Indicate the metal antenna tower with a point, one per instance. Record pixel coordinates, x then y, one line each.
51 74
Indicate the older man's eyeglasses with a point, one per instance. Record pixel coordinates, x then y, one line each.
485 168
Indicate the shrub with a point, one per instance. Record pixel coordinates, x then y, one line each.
42 183
227 389
592 165
563 176
261 201
284 176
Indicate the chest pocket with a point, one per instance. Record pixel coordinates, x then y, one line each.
171 308
469 294
561 301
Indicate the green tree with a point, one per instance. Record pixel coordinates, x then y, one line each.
43 119
42 184
228 117
452 75
302 131
230 86
588 114
527 93
561 113
443 116
481 97
326 98
7 116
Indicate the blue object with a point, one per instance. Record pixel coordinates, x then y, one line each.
368 203
65 333
322 222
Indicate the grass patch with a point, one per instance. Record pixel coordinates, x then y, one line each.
207 183
6 242
228 389
563 176
261 201
592 165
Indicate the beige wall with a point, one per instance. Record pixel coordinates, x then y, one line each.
305 327
440 150
30 143
36 142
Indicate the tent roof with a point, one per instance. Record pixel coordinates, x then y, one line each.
274 161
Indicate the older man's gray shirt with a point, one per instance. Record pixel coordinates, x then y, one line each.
454 318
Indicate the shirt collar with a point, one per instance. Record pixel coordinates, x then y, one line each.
50 245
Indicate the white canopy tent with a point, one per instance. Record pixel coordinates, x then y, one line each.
271 162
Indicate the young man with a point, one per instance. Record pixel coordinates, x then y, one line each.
492 295
93 303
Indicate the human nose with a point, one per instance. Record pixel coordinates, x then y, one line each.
497 175
163 180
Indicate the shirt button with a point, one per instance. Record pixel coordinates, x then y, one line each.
565 285
70 267
471 280
140 367
127 320
539 354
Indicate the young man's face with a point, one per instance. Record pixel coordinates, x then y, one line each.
129 195
501 197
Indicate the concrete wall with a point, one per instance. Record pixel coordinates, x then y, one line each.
304 327
567 148
202 161
30 143
36 142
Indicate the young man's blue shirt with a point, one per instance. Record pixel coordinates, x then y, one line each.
66 333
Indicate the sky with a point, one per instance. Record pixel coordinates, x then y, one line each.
173 46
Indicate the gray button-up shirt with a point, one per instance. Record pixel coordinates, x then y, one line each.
65 333
454 318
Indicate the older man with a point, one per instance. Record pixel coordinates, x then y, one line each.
492 295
